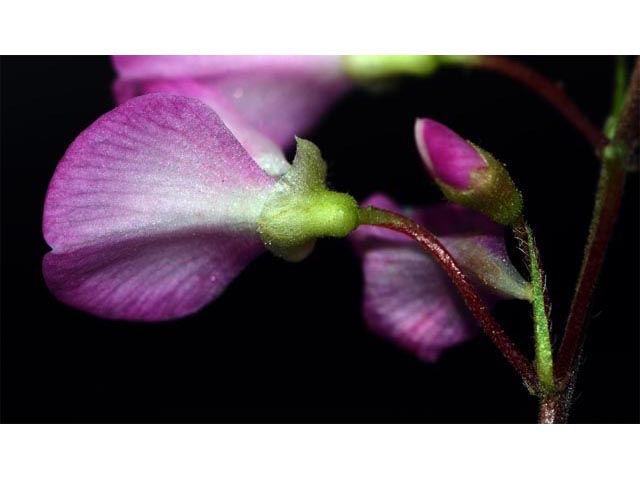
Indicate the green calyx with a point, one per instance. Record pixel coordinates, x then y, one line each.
301 208
491 191
371 68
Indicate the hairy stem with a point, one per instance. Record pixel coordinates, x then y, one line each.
544 352
553 409
605 212
429 243
553 404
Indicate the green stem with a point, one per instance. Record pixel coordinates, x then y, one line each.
544 351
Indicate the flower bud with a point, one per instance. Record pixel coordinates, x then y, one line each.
467 174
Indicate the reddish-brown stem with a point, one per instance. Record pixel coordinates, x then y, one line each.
550 91
605 213
628 129
477 306
553 409
603 223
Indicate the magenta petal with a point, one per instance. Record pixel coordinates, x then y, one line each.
278 96
144 67
409 299
149 277
447 156
152 211
266 153
278 104
478 245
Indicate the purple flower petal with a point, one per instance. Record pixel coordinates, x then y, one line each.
278 96
139 67
267 154
447 156
477 243
409 299
152 211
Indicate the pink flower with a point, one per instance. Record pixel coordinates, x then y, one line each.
276 97
409 299
156 207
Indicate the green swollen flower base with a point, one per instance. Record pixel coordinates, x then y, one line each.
491 191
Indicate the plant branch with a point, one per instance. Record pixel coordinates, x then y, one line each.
553 409
548 90
429 243
540 304
628 121
605 212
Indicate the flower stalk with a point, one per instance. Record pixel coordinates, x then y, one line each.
605 212
541 322
553 409
429 243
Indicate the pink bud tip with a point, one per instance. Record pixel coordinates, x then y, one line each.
448 157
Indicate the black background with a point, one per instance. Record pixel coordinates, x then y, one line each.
286 341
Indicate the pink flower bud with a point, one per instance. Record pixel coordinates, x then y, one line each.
449 158
466 174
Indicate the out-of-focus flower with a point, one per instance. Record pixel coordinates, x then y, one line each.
156 207
267 100
276 97
467 174
409 299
